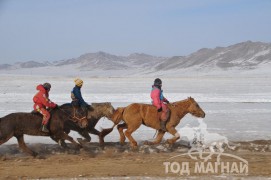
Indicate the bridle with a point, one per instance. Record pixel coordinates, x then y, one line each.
74 118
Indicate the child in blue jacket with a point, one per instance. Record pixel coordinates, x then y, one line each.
77 99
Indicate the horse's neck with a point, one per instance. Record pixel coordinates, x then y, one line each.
182 108
97 111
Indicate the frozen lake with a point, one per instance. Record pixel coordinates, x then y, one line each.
238 108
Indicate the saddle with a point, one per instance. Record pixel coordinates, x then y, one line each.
34 112
163 116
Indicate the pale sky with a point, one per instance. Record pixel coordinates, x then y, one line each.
48 30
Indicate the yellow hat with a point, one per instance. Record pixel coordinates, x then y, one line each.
78 82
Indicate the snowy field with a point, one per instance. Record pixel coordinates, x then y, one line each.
238 108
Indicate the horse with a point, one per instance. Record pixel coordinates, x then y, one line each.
136 114
18 124
98 110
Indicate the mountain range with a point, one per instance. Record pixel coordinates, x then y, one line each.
246 57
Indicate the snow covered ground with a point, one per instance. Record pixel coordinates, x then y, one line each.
236 107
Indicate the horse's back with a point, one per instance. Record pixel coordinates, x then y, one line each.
140 112
20 122
22 117
138 106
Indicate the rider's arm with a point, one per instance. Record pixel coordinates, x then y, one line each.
46 101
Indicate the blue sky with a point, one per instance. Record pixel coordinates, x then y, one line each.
51 30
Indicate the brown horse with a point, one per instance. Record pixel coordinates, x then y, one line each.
136 114
18 124
98 111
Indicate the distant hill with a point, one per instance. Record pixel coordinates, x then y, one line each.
245 57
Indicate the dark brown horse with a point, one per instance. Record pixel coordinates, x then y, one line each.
98 111
18 124
136 114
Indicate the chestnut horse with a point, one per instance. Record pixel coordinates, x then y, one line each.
136 114
18 124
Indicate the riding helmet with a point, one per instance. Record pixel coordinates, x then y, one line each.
78 82
157 82
47 86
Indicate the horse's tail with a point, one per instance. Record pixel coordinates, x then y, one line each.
118 115
116 118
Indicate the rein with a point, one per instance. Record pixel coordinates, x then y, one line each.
78 119
73 118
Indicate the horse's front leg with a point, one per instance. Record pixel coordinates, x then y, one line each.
98 133
60 142
176 135
120 129
158 138
64 136
85 134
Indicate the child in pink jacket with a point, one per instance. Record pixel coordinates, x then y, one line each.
158 101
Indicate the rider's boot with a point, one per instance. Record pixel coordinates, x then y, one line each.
44 128
163 125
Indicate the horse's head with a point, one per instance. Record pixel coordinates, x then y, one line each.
80 116
108 110
103 109
75 114
195 109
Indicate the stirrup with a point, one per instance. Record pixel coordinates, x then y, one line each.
163 125
44 129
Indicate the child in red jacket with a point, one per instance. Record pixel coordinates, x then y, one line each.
158 101
42 101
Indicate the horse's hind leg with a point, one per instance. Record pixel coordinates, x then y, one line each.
128 134
158 138
23 146
120 129
4 139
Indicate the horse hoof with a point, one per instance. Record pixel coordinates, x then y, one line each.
122 143
134 148
82 141
79 146
34 154
169 141
40 157
148 143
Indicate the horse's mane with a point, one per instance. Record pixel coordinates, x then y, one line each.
181 101
65 105
100 104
